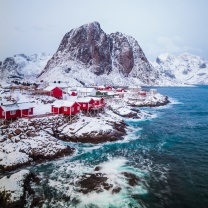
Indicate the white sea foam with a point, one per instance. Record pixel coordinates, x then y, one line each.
174 101
65 181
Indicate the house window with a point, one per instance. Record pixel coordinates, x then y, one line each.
72 109
78 108
84 105
30 110
3 113
13 112
65 108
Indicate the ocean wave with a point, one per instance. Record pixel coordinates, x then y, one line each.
125 181
174 101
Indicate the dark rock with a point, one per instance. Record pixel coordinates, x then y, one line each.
122 52
203 65
93 182
116 190
17 131
9 136
132 179
97 168
100 137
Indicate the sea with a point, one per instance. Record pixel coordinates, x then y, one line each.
167 151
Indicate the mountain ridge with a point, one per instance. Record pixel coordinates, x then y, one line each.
183 68
102 57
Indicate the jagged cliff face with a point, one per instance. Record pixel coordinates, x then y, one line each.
122 53
86 44
100 55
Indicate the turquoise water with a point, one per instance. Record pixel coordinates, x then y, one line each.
169 152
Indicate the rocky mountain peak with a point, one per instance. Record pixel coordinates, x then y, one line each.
88 48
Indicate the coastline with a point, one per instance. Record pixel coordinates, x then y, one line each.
32 141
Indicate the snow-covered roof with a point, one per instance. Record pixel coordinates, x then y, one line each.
17 106
23 106
60 103
10 107
101 86
96 98
84 99
68 103
49 88
85 89
111 93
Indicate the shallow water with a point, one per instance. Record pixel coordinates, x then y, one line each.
168 152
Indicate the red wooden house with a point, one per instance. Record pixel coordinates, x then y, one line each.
15 110
25 109
99 102
54 91
74 93
142 93
65 107
86 103
108 88
100 88
120 90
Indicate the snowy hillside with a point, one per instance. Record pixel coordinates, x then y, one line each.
184 68
90 55
22 66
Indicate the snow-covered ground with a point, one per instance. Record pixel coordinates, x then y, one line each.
13 186
24 141
25 67
151 99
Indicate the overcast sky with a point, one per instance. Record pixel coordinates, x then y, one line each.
174 26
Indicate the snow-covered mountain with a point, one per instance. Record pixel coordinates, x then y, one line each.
184 68
89 55
22 66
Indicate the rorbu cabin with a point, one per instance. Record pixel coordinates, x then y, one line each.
99 103
73 93
86 103
142 93
65 107
86 91
120 90
108 88
54 91
100 88
25 109
15 110
101 93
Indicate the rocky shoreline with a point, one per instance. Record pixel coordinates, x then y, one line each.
152 104
118 132
24 142
37 140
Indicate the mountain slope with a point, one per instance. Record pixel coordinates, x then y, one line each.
184 68
22 66
92 56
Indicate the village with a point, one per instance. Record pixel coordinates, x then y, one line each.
19 101
36 119
41 122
